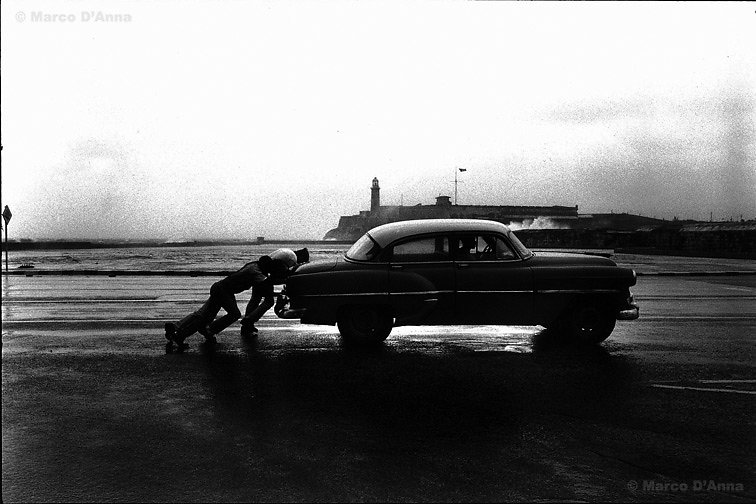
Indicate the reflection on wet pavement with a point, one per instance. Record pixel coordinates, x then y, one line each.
94 410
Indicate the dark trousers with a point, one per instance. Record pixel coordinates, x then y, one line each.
219 298
261 301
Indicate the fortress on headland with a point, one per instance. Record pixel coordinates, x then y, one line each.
352 227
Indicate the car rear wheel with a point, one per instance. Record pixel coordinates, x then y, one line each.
364 325
588 323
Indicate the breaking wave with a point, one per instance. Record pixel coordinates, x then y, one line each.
537 223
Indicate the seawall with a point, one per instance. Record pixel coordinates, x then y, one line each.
691 241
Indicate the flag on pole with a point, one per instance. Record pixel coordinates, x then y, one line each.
462 169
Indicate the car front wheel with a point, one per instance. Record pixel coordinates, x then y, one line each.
364 325
588 323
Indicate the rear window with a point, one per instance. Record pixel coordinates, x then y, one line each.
364 249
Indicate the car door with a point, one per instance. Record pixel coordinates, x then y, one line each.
421 280
493 284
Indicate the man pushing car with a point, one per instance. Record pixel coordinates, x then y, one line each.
260 276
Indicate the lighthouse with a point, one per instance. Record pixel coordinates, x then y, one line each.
375 196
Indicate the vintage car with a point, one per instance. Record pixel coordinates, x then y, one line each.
458 271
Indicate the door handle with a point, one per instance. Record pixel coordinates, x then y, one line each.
397 266
462 265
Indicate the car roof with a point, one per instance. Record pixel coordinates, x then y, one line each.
388 233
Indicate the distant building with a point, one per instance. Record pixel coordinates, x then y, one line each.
352 227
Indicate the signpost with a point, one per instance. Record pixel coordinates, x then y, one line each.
455 182
6 217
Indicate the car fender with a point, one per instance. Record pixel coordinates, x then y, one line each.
558 289
322 295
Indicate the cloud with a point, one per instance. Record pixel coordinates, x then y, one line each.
585 112
96 191
293 111
686 156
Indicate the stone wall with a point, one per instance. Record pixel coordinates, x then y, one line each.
730 242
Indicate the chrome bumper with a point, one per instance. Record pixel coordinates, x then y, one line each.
631 312
283 311
291 314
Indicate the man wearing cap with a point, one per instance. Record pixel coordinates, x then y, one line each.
263 297
257 275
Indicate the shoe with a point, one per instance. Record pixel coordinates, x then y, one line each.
249 330
172 347
180 347
170 331
172 337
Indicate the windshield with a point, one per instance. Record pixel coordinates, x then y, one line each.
522 249
364 249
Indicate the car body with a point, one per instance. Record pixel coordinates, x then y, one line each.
459 271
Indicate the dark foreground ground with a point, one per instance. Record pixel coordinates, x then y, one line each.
94 410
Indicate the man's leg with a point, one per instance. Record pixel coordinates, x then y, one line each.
256 309
227 301
194 321
248 321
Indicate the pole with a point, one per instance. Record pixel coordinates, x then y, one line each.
455 185
6 219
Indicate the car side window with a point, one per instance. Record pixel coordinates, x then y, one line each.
430 249
503 251
466 248
483 248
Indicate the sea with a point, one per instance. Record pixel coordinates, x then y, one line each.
222 258
205 258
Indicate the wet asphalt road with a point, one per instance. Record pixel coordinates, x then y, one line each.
94 410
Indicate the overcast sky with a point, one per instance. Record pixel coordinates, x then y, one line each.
183 120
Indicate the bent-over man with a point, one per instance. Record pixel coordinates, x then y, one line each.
257 275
